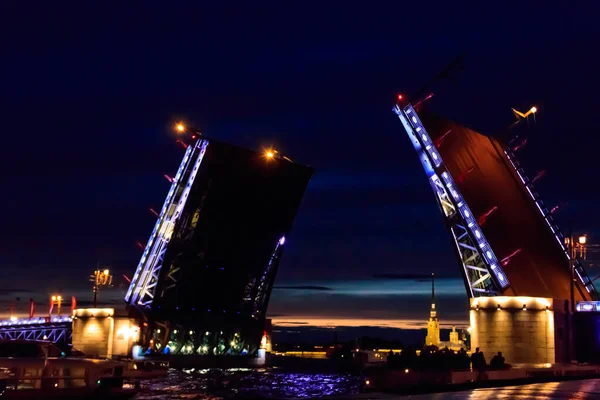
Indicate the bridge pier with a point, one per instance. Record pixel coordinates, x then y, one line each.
524 329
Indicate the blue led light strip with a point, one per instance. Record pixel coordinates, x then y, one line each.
433 164
579 270
146 275
266 280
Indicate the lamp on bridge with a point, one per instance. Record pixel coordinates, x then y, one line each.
100 278
576 249
181 128
55 299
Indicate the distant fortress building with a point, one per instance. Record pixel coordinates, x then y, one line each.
433 327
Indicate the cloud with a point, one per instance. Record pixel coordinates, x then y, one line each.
415 277
319 288
4 291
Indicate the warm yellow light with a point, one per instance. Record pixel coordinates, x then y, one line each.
406 371
53 298
582 239
367 382
180 127
269 154
13 318
533 110
106 272
92 312
510 302
232 343
59 298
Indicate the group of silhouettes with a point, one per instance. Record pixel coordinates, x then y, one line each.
478 361
433 359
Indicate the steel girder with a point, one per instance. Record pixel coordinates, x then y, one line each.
146 278
481 270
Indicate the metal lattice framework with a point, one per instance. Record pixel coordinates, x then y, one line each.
258 289
143 285
482 272
53 332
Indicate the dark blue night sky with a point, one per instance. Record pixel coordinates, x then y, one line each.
89 93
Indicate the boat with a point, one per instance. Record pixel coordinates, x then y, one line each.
31 369
145 369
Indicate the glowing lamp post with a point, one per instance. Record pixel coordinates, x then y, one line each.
576 249
55 300
100 278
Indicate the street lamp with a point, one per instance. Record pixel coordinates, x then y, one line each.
523 115
576 249
55 299
269 154
100 278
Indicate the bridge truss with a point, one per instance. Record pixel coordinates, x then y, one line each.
482 272
56 332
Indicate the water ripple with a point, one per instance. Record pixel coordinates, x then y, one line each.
247 384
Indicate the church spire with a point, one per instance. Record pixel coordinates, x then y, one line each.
432 313
432 288
433 325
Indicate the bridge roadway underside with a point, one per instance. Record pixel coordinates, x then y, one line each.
541 268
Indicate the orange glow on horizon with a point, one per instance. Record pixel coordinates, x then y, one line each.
333 322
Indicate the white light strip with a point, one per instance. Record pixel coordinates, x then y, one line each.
556 232
416 124
159 221
165 225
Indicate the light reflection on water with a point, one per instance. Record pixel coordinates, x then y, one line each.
585 389
247 384
272 384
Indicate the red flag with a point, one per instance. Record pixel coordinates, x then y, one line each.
31 308
73 304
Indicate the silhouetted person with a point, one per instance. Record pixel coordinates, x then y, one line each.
497 361
478 360
463 360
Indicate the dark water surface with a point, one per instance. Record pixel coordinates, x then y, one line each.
270 384
250 384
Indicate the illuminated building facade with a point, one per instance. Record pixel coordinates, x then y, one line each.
205 277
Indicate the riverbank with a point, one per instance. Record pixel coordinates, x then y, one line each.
415 382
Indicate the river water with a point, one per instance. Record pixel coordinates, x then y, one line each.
248 384
271 384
